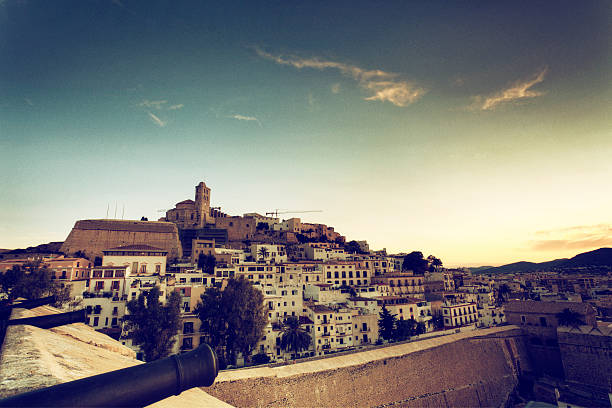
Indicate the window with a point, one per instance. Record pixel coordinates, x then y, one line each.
188 327
115 285
187 343
99 285
97 274
157 268
543 321
143 268
108 274
523 319
96 321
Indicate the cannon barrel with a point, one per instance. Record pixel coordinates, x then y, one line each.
140 385
52 320
29 304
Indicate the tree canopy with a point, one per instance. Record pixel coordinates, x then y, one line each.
153 325
386 324
294 338
233 319
415 262
207 263
569 318
352 247
33 280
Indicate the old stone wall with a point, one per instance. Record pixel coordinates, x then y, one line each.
587 355
94 236
464 369
238 228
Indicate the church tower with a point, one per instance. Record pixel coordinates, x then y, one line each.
202 204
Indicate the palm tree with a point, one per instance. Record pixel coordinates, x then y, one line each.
294 338
263 253
569 318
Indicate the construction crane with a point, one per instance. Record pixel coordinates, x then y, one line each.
276 212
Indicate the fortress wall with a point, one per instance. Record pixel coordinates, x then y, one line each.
94 236
587 355
457 370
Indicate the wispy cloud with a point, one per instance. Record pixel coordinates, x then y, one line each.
176 107
518 91
28 101
152 104
576 237
335 88
383 86
246 118
155 119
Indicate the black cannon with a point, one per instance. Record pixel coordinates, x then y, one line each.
129 387
30 304
52 320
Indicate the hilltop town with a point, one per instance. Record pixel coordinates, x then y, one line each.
344 295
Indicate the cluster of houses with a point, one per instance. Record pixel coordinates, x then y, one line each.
336 296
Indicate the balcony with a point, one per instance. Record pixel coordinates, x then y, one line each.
325 334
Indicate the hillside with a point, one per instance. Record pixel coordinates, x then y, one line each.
597 260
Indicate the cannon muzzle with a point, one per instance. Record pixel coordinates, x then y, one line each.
140 385
52 320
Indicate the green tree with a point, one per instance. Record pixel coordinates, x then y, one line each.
33 280
233 319
433 263
153 325
438 321
352 247
263 253
207 263
403 329
293 337
569 318
386 324
414 262
261 358
502 294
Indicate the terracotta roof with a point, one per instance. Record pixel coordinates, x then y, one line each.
320 309
137 247
533 306
186 202
126 225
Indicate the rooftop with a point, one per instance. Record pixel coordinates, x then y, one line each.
137 247
533 306
126 225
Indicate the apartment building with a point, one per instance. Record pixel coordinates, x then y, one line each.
345 274
402 283
459 314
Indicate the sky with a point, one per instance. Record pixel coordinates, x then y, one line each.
479 132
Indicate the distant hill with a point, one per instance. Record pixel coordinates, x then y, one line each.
477 269
50 248
597 260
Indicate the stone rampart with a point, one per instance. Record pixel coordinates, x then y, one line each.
94 236
478 368
587 354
